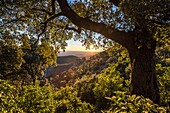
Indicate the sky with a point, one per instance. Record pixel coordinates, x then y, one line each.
77 46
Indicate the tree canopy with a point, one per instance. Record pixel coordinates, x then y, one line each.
56 20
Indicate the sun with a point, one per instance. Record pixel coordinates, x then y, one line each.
92 49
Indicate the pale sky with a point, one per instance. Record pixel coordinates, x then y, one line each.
77 46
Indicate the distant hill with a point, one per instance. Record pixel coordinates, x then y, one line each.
85 66
79 54
63 64
67 59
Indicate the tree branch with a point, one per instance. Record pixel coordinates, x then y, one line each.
123 38
42 10
45 24
53 17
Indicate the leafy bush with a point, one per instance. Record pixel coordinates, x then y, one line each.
11 57
132 104
164 84
68 102
22 59
8 98
84 87
33 98
107 83
26 99
162 71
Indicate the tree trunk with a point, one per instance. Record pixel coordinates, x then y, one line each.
144 81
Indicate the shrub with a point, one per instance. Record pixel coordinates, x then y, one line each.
84 87
27 99
33 98
132 104
68 102
107 83
164 85
8 98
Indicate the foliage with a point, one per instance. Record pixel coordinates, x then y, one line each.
7 98
20 58
132 104
163 55
11 56
85 86
37 57
107 83
162 71
112 82
26 98
152 16
121 61
33 98
164 82
44 19
104 92
48 29
68 102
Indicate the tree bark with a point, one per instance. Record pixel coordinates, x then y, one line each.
144 81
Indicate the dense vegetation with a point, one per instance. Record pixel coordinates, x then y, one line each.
137 79
139 26
104 91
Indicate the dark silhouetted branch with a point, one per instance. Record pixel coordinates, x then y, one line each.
45 24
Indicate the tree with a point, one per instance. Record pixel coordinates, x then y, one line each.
11 57
37 57
20 59
136 25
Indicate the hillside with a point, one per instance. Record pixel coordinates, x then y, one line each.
79 54
63 63
84 66
67 59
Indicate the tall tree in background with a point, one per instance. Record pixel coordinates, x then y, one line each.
136 24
